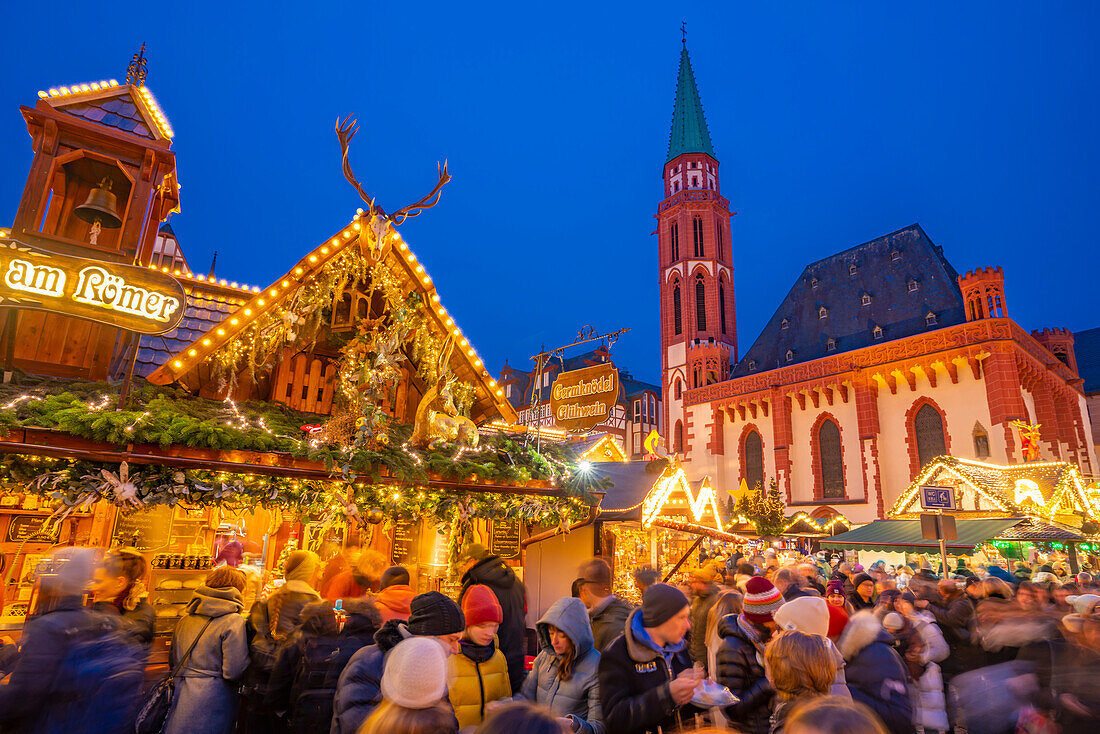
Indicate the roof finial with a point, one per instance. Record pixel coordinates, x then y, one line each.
684 32
136 71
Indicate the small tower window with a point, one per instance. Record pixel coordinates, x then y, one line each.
722 306
789 356
695 182
674 240
822 312
930 318
913 286
895 256
677 310
700 304
866 300
679 388
853 269
877 331
785 323
718 237
830 345
697 235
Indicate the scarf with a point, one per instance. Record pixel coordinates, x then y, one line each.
751 632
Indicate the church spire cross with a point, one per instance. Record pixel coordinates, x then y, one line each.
137 71
684 32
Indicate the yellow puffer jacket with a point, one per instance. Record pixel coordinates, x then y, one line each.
479 674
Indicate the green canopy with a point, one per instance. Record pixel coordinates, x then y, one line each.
905 535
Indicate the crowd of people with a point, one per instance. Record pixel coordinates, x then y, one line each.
749 643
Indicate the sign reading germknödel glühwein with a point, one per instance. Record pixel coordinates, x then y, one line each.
582 399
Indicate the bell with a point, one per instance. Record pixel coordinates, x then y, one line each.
101 205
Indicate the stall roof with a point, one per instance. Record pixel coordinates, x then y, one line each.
633 481
905 535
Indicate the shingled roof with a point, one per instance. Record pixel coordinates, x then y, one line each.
910 289
1086 347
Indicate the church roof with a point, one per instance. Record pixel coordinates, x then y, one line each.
1086 347
689 126
910 289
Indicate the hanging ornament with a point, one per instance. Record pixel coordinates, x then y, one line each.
375 515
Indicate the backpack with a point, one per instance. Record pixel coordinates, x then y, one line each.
100 679
323 660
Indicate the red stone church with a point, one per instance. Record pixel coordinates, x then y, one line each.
880 357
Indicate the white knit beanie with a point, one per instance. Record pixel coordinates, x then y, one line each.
416 673
809 614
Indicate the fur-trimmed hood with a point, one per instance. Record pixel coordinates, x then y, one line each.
863 629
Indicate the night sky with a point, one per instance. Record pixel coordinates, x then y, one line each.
834 123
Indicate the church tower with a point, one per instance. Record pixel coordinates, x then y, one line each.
698 326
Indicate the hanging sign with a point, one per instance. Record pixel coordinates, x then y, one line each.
125 296
582 399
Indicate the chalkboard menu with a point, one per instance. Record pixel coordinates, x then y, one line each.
23 527
148 530
406 536
505 538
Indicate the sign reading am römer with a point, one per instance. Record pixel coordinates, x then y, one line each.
126 296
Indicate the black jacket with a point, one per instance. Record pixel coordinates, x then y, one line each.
634 687
740 669
139 621
875 674
609 622
955 616
359 689
700 607
510 592
308 666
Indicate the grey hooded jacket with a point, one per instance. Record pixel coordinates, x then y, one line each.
579 697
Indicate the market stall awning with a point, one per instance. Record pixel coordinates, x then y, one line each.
905 535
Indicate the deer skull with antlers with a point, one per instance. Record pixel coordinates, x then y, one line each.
376 227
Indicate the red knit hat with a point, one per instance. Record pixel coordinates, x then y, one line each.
480 605
761 600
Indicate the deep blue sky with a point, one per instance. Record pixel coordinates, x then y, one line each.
834 123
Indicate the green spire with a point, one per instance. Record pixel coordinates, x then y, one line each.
689 126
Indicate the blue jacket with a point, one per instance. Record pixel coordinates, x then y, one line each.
579 697
359 690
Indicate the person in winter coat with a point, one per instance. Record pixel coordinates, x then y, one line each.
285 604
479 673
954 613
729 602
646 676
205 700
876 675
414 692
564 675
359 690
395 595
801 667
929 702
355 581
118 587
740 659
607 611
309 664
52 688
482 568
863 596
704 592
810 615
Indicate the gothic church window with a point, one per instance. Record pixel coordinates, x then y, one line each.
754 460
674 240
928 427
676 310
718 232
679 388
830 460
697 234
700 304
722 306
981 442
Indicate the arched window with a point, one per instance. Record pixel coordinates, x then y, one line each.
677 315
697 235
831 460
678 438
674 240
679 388
700 304
928 427
722 306
981 442
718 235
754 460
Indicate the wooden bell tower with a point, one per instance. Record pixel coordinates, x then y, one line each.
102 181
